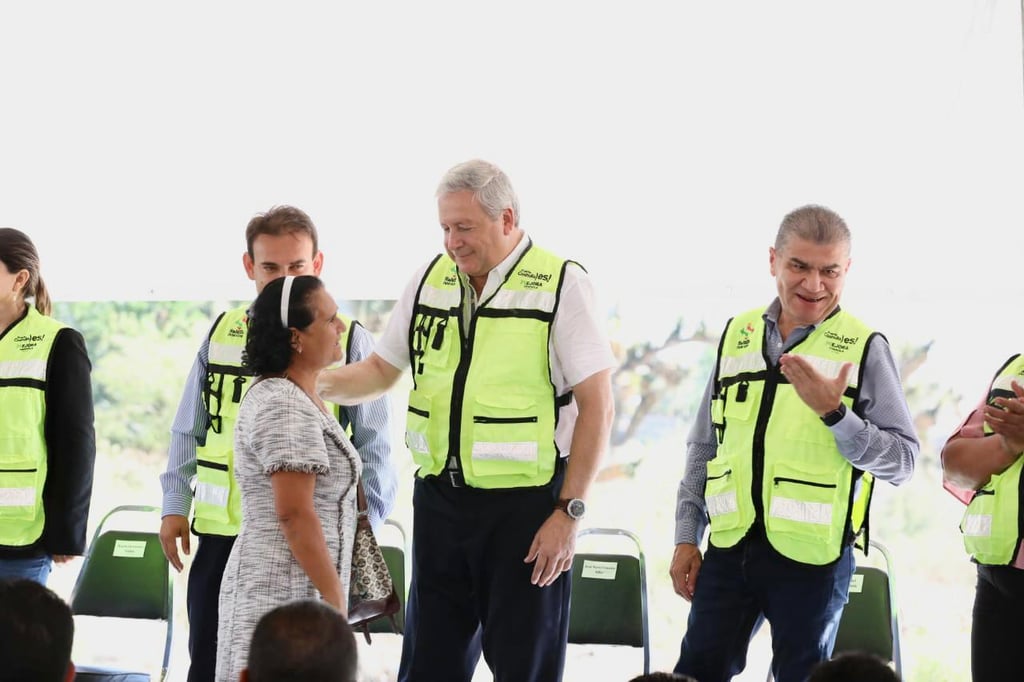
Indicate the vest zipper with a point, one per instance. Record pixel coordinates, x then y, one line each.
784 479
459 393
212 465
504 420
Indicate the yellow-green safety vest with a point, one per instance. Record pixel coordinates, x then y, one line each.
24 358
484 395
777 463
218 501
992 525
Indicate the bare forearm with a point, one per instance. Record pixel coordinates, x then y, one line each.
589 445
970 462
357 382
305 538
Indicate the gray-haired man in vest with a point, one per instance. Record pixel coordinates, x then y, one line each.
804 409
508 419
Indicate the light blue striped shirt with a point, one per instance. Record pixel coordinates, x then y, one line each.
371 435
883 442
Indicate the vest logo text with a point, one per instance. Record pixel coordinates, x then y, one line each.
538 278
28 341
840 343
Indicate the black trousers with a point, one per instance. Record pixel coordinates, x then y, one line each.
997 630
203 596
471 589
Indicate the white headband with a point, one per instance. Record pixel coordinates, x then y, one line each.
286 293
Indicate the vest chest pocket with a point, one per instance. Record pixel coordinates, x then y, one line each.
435 343
738 403
20 481
803 502
506 433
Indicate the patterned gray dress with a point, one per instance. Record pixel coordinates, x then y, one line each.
280 429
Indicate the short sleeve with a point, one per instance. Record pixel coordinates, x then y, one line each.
288 435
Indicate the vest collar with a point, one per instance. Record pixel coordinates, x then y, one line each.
771 322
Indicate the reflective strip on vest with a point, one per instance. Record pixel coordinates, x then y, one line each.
17 497
225 354
434 297
798 510
977 525
533 300
212 494
23 369
414 440
830 368
723 503
731 365
1005 381
513 452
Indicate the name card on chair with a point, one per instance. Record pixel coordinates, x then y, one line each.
856 583
130 549
600 570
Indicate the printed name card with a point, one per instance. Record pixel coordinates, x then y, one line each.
131 549
857 583
600 570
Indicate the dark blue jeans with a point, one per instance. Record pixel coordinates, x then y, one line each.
35 568
739 588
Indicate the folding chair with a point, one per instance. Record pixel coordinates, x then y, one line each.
394 557
609 596
124 575
870 621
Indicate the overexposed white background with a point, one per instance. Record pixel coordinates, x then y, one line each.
657 142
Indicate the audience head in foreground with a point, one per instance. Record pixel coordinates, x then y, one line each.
36 632
853 666
302 641
663 677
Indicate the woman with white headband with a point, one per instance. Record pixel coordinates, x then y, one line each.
296 469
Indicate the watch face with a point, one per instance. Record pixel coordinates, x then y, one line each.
576 508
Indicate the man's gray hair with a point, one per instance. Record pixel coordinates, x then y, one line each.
490 187
813 223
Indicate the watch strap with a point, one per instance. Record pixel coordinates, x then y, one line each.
835 416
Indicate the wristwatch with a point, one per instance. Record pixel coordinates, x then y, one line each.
575 507
835 416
